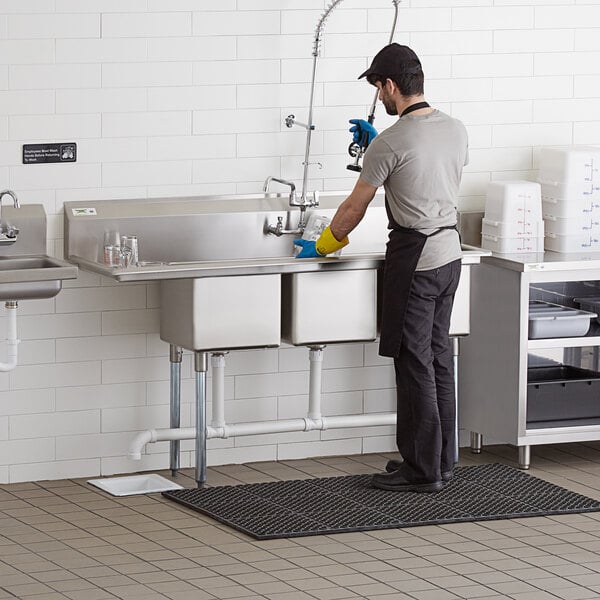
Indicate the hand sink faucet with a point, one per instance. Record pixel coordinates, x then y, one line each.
8 233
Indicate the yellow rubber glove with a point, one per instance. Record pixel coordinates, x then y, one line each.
327 243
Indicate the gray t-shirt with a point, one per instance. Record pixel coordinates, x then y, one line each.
419 161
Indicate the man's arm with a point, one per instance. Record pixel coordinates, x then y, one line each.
347 217
351 211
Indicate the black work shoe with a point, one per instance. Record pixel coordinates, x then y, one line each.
395 465
396 482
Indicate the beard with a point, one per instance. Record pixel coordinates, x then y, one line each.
390 106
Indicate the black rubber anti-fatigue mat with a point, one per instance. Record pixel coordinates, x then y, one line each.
342 504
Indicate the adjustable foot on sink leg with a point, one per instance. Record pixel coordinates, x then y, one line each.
476 442
524 457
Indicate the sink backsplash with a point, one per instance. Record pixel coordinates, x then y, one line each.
30 220
206 228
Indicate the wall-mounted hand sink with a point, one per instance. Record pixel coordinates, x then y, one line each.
33 277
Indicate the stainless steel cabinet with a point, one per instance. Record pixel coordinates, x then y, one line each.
495 357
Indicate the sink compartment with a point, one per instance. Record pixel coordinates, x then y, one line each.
221 313
326 307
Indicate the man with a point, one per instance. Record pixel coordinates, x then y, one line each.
419 161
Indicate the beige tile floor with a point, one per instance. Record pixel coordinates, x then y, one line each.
68 540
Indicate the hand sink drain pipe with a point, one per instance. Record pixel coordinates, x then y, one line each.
11 336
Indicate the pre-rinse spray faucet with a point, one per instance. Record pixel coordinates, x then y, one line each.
305 202
290 121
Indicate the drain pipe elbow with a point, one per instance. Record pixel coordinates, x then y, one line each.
139 441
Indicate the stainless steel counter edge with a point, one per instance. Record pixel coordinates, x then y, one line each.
546 261
263 266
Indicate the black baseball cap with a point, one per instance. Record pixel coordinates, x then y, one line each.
394 59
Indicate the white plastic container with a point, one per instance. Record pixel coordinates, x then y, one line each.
551 321
505 245
588 190
570 165
513 201
512 229
588 242
315 224
569 209
580 225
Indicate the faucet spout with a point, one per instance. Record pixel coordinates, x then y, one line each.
12 195
8 233
283 182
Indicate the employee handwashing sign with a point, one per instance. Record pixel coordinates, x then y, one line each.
49 153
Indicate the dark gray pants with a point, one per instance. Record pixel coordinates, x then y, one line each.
425 376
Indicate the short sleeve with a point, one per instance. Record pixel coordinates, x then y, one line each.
378 163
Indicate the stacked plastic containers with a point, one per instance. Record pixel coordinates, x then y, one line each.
570 180
513 218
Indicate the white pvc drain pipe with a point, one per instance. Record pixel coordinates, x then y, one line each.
11 336
220 429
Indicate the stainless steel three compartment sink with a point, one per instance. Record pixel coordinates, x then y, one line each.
226 283
224 279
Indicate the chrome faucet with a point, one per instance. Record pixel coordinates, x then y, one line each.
8 233
293 199
301 203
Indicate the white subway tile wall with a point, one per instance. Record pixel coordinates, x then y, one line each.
180 97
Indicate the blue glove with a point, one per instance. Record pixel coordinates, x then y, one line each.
309 249
364 132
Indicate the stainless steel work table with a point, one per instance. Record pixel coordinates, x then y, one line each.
494 358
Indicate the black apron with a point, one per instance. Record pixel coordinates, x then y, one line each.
403 251
402 254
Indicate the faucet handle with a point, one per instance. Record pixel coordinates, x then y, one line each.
315 198
11 231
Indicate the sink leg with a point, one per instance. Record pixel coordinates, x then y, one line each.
175 355
200 367
476 442
455 360
524 457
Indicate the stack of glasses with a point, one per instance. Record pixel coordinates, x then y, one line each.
513 218
570 179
